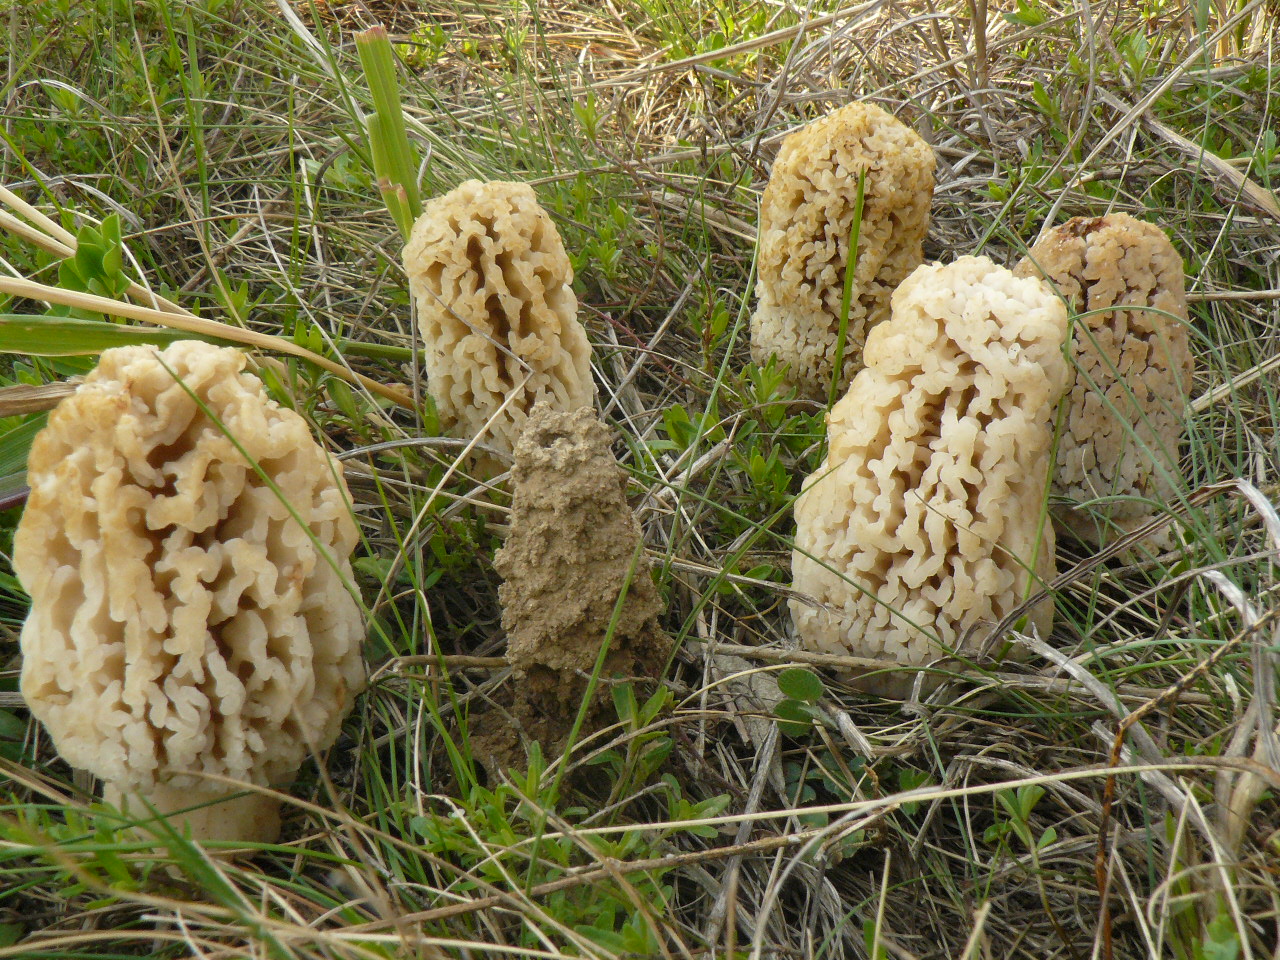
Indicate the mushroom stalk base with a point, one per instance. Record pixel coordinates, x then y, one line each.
251 818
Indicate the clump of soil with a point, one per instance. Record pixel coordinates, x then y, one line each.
573 546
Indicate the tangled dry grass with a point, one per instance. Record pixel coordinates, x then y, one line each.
1114 796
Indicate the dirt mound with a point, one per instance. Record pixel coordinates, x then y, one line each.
574 546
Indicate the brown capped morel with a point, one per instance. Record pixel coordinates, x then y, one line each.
186 618
925 520
574 546
806 216
499 320
1134 369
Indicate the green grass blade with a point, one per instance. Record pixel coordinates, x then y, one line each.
46 336
846 300
14 445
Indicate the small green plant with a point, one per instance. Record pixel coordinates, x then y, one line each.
819 778
1017 806
771 403
91 858
646 747
493 833
766 472
684 429
603 251
425 46
799 711
97 266
586 111
912 779
1221 939
711 322
345 172
680 807
1027 14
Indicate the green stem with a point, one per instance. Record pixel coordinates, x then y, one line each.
379 351
395 162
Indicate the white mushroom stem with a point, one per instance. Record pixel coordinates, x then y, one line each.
202 815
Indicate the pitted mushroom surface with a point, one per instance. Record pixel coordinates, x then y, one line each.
925 518
806 216
1134 368
497 312
187 618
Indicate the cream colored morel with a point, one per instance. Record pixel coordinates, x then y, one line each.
1128 401
497 312
925 519
806 216
187 620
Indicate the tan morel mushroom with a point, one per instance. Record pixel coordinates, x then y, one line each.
805 220
925 519
1128 401
573 546
186 619
498 315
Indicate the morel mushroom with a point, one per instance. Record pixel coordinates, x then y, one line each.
498 315
1134 368
573 547
806 217
925 519
185 546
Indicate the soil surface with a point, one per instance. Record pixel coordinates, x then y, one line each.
573 548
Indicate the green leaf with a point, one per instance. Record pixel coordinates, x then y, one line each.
1027 15
909 779
376 568
15 444
795 719
624 702
1221 940
69 273
88 259
800 684
1028 797
875 946
10 933
655 705
763 571
710 807
49 336
679 427
11 728
115 867
997 831
611 941
344 399
111 233
1042 99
